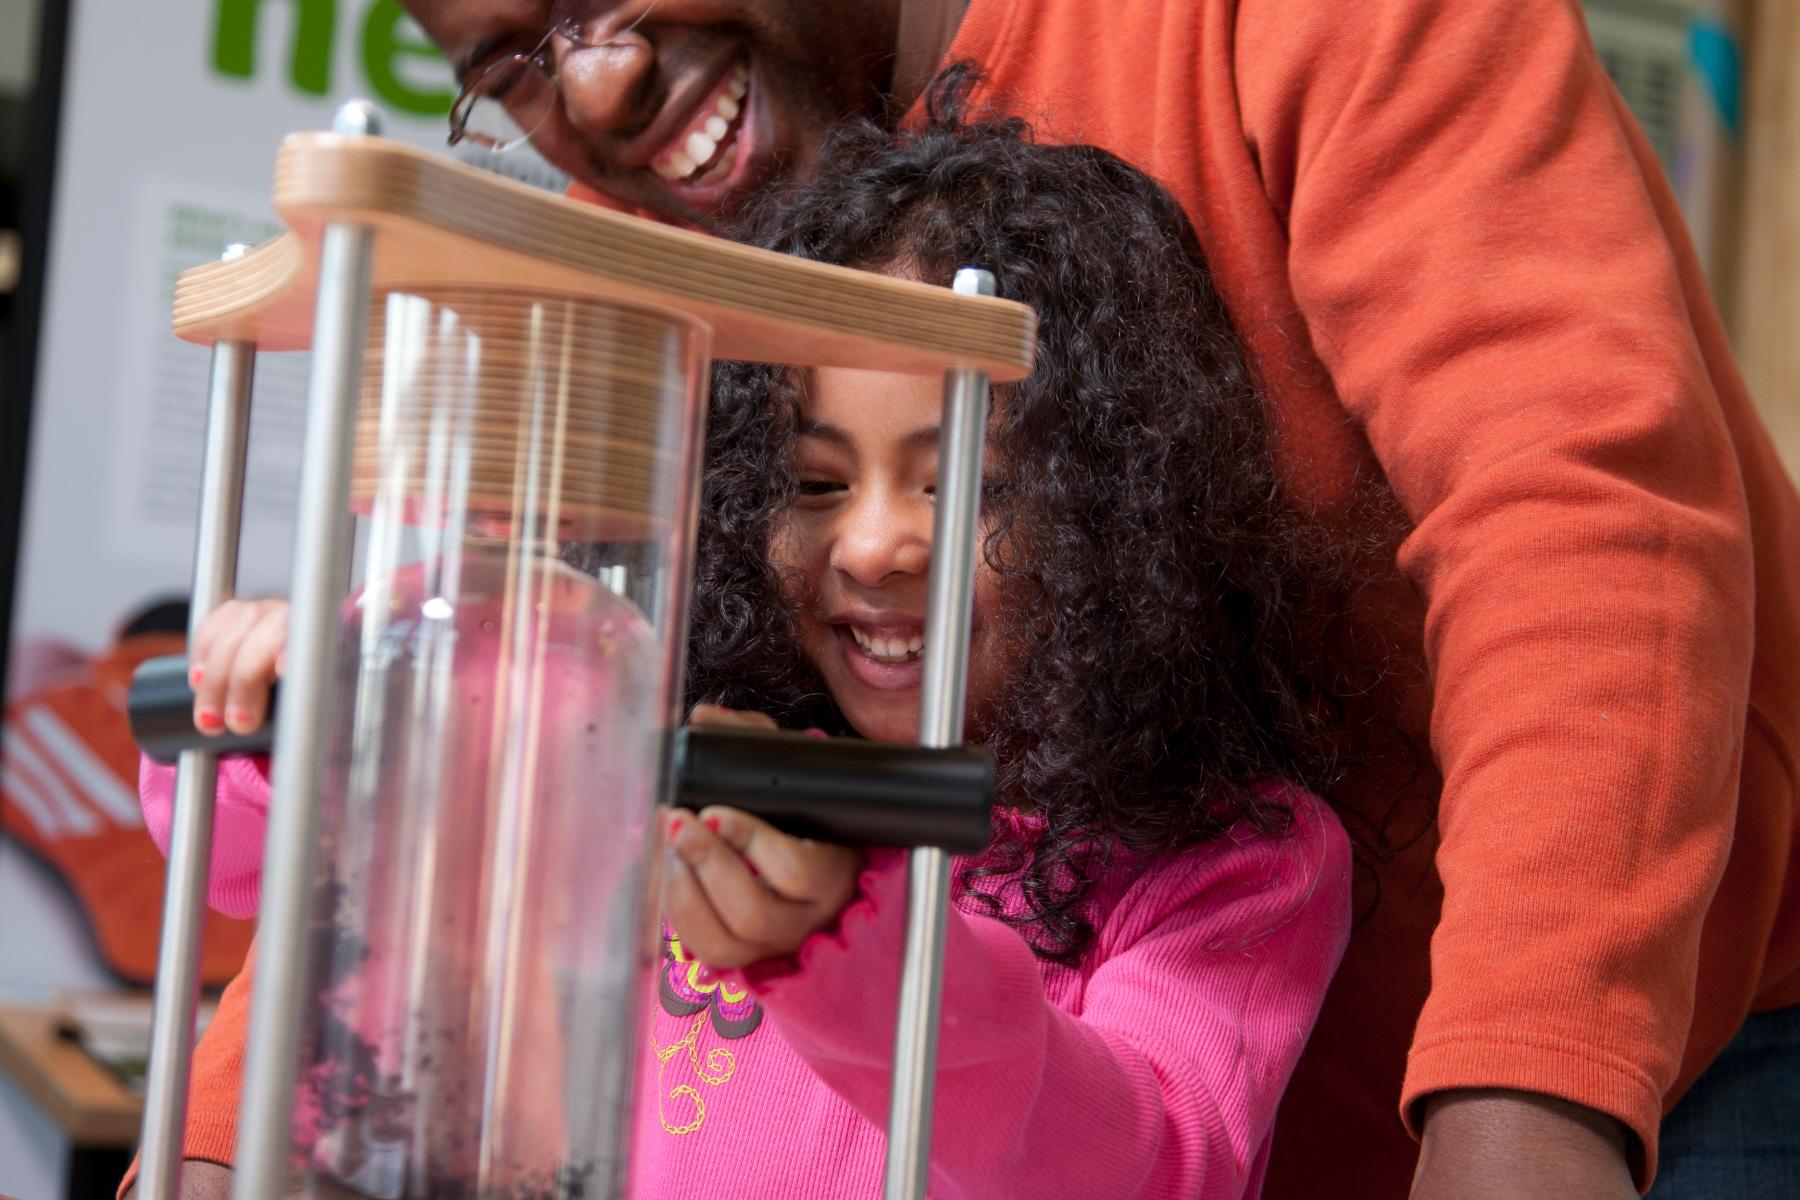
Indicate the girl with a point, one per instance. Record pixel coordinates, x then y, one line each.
1133 966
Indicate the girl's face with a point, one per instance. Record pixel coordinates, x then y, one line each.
857 543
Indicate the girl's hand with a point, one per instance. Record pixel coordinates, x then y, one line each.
234 661
737 890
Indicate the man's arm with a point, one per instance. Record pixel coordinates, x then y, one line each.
1482 265
213 1087
200 1180
1493 1144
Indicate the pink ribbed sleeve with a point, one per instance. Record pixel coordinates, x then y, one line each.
1154 1072
234 880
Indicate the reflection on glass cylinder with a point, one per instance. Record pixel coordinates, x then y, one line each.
480 929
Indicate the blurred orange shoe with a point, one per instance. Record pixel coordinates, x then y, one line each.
68 794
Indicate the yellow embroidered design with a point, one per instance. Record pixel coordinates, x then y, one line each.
687 987
718 1069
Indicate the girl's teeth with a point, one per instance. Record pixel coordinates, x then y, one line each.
715 128
727 108
888 649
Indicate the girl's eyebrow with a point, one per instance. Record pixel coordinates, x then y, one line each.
924 437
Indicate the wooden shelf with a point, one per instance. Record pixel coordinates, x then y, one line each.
438 221
78 1095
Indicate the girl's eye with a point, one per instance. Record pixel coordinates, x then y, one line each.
819 487
991 489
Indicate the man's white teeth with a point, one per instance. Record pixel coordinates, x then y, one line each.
886 649
702 142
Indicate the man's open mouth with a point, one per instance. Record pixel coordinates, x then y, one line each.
706 149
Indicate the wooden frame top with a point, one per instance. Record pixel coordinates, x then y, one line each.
439 221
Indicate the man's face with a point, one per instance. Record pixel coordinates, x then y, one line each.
751 84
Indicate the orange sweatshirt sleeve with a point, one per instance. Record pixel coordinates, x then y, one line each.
1475 252
216 1079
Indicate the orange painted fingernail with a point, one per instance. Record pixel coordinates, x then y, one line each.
238 716
208 719
195 674
711 823
675 828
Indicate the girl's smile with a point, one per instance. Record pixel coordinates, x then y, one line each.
882 657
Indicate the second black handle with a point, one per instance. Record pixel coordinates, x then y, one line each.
837 789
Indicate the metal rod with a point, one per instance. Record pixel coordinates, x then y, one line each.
322 545
196 774
955 545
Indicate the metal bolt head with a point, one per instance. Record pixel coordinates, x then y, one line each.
973 281
357 116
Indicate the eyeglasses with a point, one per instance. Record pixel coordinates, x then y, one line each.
504 105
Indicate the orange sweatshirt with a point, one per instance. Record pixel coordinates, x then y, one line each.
1459 269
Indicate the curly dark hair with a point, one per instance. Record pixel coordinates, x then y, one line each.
1177 601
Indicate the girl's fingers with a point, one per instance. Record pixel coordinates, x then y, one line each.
817 873
253 671
211 670
208 632
719 717
691 915
750 912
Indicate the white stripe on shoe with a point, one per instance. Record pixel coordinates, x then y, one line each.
41 777
36 809
97 781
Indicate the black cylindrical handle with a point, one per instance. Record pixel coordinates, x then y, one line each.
835 789
161 708
840 789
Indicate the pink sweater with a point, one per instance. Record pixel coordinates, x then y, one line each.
239 819
1153 1070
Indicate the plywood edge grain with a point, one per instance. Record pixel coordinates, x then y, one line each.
264 296
438 221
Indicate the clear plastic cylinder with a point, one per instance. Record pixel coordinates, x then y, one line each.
524 479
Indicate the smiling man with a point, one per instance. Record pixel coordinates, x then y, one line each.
1470 297
680 108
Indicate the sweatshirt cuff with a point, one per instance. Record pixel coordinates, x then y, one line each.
207 1139
875 888
1567 1071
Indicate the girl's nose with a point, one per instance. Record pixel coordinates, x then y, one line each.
879 541
605 89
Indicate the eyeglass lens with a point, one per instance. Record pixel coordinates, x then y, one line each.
506 104
508 101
